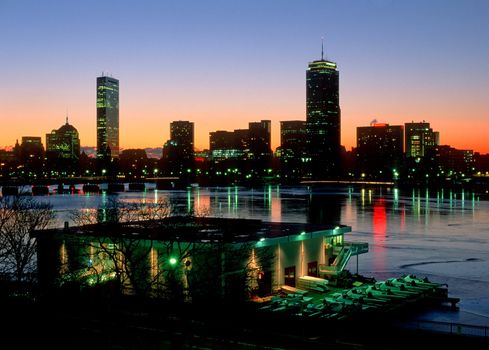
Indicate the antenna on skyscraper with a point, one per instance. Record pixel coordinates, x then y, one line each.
322 48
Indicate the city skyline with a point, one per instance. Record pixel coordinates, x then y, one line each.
399 62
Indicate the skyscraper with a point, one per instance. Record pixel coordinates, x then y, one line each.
323 119
107 117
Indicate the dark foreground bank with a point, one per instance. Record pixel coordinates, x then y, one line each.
130 323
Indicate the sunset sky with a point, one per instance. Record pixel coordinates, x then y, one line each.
222 64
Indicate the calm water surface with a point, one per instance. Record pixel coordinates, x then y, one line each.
441 235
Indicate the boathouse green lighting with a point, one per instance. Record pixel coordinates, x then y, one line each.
172 261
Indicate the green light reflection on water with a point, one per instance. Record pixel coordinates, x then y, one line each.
236 197
189 201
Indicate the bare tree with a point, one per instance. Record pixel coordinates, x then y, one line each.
20 216
120 251
144 252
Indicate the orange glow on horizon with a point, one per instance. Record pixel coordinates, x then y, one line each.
143 124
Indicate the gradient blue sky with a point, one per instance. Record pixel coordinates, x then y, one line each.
222 64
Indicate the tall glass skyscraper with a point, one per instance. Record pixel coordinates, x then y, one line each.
107 117
323 119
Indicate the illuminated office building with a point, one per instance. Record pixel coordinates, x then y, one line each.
259 139
182 133
178 151
107 117
63 143
292 149
379 151
323 119
419 139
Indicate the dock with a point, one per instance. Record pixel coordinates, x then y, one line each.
331 302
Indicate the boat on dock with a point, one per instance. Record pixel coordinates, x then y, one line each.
374 296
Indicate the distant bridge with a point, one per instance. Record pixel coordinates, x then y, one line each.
85 180
347 182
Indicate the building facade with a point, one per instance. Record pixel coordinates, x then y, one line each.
419 139
228 144
292 151
31 155
194 259
63 149
380 151
63 143
107 118
178 152
323 119
259 139
182 132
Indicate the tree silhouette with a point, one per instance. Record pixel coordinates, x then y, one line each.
20 216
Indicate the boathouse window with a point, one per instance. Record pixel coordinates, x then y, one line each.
289 276
312 269
338 240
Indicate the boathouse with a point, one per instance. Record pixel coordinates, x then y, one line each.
194 258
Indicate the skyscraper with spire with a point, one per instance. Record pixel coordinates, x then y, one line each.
107 117
323 119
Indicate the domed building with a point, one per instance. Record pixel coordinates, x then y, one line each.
63 148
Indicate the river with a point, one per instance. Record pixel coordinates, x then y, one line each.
443 235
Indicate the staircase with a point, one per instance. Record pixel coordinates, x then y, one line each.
346 251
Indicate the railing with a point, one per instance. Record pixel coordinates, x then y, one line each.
342 259
339 263
451 328
357 248
347 250
328 269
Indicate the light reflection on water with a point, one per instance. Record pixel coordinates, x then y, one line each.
441 234
382 217
299 204
411 212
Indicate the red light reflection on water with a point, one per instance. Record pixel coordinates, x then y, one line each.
202 203
276 209
379 222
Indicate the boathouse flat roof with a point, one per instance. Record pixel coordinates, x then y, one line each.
202 229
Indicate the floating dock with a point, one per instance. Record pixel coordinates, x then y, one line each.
329 302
